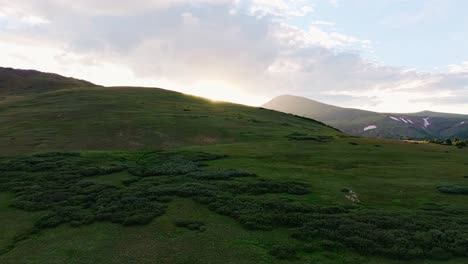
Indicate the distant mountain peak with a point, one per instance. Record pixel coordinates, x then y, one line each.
421 125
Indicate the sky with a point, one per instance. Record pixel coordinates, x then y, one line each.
379 55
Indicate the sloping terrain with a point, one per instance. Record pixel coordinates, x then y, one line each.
422 125
153 176
119 118
15 82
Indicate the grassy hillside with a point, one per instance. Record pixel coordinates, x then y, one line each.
137 119
423 125
15 82
153 176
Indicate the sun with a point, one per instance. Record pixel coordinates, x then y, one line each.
223 91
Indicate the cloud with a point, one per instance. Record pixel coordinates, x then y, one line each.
242 51
323 23
458 68
280 8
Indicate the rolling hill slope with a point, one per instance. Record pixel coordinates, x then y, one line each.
129 118
153 176
422 125
16 82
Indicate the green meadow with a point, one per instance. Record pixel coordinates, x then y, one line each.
138 175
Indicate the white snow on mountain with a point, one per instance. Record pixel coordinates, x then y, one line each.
394 118
370 127
426 122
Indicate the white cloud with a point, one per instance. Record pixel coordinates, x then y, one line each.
323 23
314 36
458 68
16 18
281 8
35 20
242 51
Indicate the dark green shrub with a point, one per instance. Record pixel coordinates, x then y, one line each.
460 144
50 220
55 183
301 136
219 175
453 189
438 253
436 141
190 225
140 218
103 170
263 187
283 251
329 245
128 182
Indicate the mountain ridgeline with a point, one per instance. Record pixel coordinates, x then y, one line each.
421 125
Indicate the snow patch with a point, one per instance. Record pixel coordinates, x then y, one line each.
409 120
370 127
394 118
404 120
426 122
462 123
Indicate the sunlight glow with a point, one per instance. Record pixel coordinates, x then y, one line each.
222 91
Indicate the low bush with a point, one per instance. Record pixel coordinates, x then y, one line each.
219 175
103 170
190 225
453 189
301 136
263 187
283 251
56 183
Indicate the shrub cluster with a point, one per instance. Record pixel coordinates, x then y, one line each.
219 175
55 182
284 251
450 142
103 170
400 236
453 189
263 186
301 136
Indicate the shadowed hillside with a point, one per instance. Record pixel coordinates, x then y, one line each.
15 82
123 118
